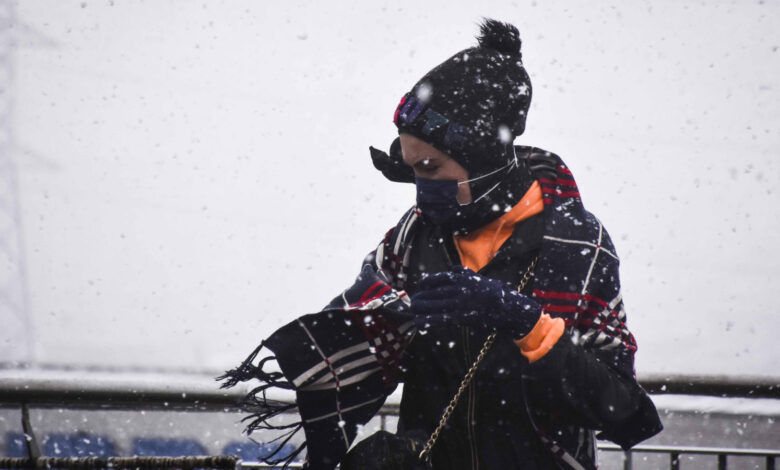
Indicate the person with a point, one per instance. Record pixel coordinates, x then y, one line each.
498 259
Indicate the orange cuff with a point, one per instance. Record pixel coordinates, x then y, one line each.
542 337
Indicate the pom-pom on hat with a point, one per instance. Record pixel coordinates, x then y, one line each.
472 105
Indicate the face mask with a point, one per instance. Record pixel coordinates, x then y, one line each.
438 199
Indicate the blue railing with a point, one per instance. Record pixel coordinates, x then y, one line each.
90 445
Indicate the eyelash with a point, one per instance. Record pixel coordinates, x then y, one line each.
427 166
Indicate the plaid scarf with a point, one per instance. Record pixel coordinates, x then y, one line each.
342 362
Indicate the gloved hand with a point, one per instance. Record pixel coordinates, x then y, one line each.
466 298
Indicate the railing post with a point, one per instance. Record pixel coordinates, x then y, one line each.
33 450
627 463
721 461
674 461
770 462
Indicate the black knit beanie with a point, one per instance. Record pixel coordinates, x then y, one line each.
472 105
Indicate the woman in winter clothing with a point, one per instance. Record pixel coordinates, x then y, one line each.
499 241
562 366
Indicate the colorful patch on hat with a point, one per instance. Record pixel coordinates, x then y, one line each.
433 121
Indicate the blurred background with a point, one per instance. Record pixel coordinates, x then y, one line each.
178 179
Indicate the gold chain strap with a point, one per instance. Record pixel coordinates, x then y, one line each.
425 454
527 275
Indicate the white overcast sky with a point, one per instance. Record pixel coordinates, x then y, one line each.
193 175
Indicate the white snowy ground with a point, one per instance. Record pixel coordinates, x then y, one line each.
192 176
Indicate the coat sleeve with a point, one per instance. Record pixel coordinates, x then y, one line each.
571 385
587 378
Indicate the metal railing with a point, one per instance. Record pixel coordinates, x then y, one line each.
711 385
202 395
674 453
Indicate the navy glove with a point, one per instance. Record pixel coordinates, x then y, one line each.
466 298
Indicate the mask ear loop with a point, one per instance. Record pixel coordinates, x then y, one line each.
511 165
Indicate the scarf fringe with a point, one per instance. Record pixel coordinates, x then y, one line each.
262 409
284 461
263 412
248 371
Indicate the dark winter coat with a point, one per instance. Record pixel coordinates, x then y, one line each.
515 414
344 361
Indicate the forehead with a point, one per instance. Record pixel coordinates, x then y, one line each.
416 150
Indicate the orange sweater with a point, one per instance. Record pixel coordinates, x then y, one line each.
479 247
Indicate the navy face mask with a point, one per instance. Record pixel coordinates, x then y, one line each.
437 199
